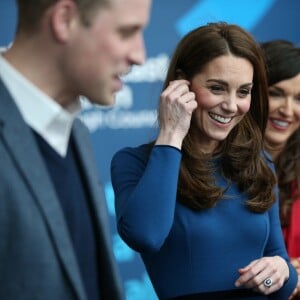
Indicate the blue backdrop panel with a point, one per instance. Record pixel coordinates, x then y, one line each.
132 121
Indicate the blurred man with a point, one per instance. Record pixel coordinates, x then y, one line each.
55 241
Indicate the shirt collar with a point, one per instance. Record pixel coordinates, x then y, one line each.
42 113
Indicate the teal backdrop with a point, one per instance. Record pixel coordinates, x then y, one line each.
132 121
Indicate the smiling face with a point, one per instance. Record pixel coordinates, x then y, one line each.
284 111
223 94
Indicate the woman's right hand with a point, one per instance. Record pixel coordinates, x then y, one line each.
177 104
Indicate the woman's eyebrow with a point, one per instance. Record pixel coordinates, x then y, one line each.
220 81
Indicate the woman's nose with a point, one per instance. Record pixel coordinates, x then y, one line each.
286 108
230 103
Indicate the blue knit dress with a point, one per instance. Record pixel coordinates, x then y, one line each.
187 251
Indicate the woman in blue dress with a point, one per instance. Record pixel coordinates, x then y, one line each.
200 202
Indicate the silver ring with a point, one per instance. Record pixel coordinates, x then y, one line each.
268 282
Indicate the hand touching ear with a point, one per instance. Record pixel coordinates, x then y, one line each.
177 104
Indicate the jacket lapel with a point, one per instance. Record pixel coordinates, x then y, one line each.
85 151
23 148
110 283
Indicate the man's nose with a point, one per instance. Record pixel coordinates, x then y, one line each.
137 54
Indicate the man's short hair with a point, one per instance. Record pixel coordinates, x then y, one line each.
30 12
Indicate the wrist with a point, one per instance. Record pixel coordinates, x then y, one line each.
170 139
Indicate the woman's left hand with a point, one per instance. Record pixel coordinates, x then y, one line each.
265 275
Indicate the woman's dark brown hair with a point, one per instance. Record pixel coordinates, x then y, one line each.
241 158
283 62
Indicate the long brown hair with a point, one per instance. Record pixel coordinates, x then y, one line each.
288 172
241 156
283 62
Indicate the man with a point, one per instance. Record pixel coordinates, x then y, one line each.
55 241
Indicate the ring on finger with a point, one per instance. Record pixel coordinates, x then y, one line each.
268 282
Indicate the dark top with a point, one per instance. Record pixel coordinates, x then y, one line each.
70 187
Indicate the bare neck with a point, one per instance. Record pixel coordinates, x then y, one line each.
274 151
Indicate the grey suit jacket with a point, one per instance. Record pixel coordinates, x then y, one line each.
37 259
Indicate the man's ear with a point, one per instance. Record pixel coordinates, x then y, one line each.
63 16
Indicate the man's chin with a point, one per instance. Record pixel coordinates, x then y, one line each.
104 101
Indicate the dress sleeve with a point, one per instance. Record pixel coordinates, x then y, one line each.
275 246
145 195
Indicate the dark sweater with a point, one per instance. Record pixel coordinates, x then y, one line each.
65 173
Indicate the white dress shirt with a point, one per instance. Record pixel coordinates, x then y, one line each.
49 119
